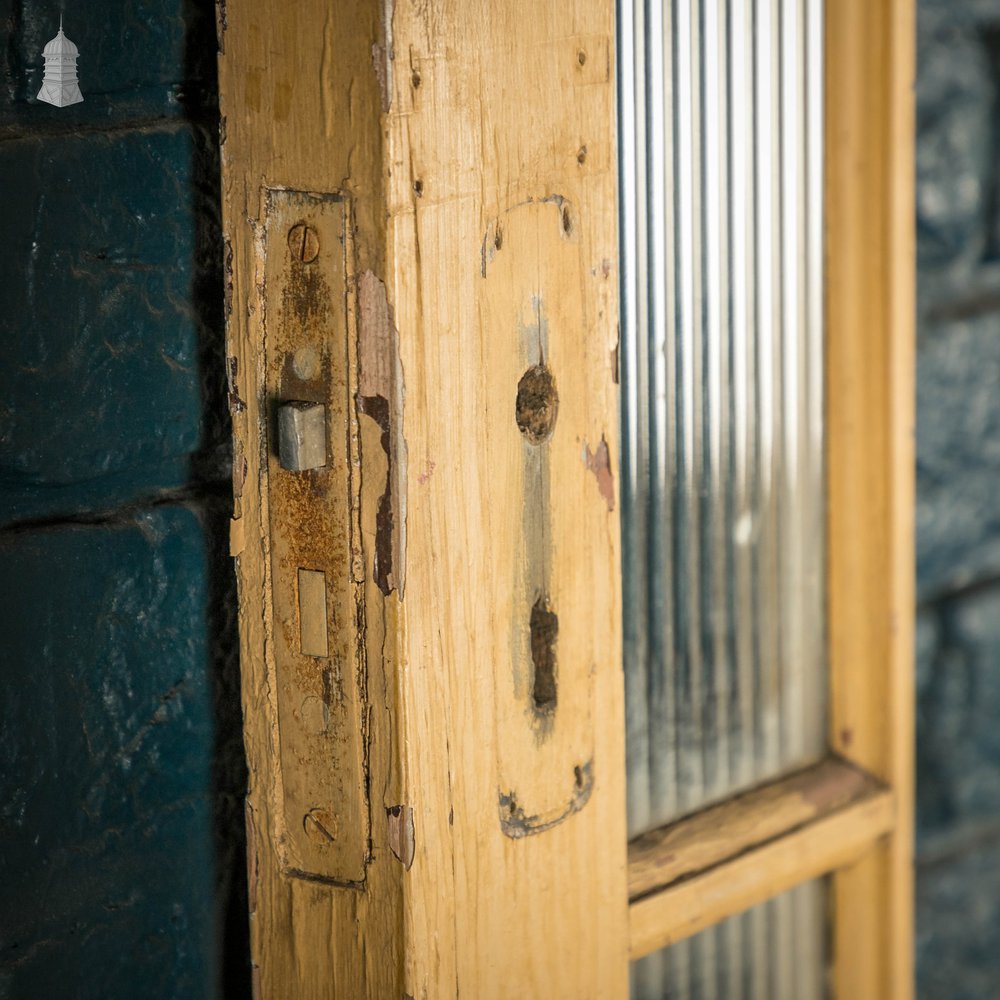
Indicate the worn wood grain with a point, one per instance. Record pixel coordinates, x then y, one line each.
435 124
870 467
440 126
307 939
498 121
726 831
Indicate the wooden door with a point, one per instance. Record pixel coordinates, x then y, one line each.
422 253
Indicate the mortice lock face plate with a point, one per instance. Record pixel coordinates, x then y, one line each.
316 590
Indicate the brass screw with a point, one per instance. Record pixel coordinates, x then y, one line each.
303 241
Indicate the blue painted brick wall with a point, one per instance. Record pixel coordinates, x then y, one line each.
958 500
103 402
107 706
121 843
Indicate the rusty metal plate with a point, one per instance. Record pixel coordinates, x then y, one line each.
316 595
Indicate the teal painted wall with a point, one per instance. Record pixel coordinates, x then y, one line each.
121 764
958 500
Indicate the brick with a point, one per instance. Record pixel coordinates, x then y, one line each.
958 740
958 455
958 226
954 160
111 311
958 927
106 733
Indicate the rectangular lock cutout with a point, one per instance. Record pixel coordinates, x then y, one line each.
313 637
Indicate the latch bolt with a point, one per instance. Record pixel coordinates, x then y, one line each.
302 436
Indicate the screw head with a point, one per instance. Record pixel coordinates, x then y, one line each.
320 826
303 241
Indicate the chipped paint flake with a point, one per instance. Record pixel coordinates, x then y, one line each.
237 537
599 463
402 839
253 868
381 395
383 55
236 404
221 25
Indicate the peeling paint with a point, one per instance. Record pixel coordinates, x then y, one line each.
381 394
834 788
236 405
221 24
599 463
402 838
237 537
239 469
381 66
383 55
227 264
252 860
326 74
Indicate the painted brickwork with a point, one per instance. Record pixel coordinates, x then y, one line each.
121 777
958 500
121 774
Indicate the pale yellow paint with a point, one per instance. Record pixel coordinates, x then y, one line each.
837 839
508 93
314 637
431 128
870 423
716 835
308 939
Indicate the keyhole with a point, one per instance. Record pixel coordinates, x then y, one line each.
536 404
544 628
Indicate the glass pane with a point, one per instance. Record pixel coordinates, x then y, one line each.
775 951
721 209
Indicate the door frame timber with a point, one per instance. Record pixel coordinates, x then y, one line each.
448 138
471 148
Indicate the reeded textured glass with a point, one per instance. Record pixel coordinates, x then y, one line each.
721 122
775 951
